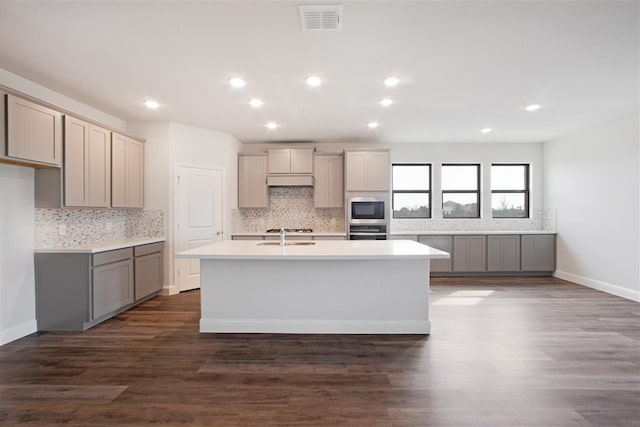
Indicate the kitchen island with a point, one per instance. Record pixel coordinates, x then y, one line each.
358 287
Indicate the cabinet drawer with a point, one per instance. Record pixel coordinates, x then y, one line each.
148 249
112 256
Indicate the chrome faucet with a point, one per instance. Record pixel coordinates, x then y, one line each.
282 236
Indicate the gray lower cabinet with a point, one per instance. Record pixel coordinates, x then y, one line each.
77 291
148 269
469 254
503 253
443 243
538 252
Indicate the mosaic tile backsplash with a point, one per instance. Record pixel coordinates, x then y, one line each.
289 207
541 219
85 226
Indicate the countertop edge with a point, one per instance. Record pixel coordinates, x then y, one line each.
94 248
469 233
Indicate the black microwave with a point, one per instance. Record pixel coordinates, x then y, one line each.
366 210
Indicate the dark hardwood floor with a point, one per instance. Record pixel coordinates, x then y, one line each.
503 352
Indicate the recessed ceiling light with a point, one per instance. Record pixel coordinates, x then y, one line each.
373 125
237 82
151 104
533 107
313 81
385 102
256 103
486 130
272 125
391 81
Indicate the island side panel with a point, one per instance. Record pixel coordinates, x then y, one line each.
315 296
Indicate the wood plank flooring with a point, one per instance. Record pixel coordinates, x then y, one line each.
503 352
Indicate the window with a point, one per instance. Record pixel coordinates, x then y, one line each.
510 190
461 191
411 190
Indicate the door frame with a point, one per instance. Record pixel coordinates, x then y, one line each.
176 210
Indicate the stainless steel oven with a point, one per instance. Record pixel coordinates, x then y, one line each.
368 232
367 210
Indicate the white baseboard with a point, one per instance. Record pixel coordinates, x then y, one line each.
19 331
601 286
170 290
286 326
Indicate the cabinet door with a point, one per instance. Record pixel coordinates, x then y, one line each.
469 253
538 252
148 275
34 132
118 171
252 185
135 174
112 287
503 253
99 171
301 160
321 182
335 186
378 171
356 170
442 243
76 159
279 160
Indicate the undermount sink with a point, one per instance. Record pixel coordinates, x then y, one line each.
286 243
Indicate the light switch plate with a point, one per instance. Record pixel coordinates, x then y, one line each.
62 230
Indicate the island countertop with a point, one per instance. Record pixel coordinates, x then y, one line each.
319 250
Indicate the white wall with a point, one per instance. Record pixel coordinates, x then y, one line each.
592 179
17 234
169 144
17 219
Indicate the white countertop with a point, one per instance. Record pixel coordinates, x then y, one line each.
313 234
342 250
468 233
93 248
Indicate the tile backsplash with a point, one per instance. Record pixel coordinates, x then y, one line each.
83 226
289 207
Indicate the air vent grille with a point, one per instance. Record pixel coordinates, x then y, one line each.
321 17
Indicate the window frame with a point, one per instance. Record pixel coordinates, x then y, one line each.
526 191
477 191
429 191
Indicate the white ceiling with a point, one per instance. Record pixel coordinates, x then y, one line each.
464 65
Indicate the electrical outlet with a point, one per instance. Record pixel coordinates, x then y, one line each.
62 230
109 226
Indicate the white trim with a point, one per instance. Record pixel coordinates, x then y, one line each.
601 286
19 331
175 288
170 290
288 326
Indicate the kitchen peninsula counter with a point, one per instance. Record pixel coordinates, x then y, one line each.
327 287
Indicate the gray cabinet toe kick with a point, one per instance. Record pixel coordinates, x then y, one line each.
76 291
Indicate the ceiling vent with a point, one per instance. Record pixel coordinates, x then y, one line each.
326 17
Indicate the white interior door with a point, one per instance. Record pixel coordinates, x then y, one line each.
200 218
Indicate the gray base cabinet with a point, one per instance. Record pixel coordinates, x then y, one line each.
77 291
503 253
469 254
443 243
539 252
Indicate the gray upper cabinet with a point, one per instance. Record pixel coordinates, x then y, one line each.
538 252
443 243
503 253
290 161
252 181
87 164
329 181
469 254
127 172
34 133
367 171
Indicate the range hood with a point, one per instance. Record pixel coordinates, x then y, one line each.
290 180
